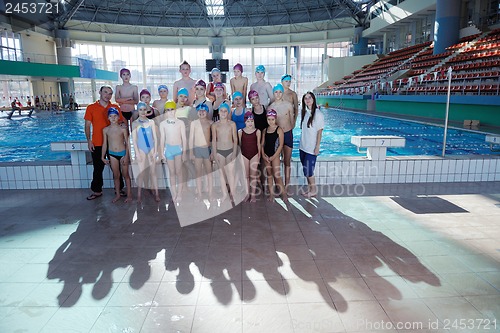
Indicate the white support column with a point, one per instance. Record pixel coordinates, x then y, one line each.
144 76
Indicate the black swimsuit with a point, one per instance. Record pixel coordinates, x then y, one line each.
260 119
272 142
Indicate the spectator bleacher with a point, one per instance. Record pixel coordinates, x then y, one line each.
475 63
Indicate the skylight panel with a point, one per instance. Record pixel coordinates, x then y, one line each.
215 8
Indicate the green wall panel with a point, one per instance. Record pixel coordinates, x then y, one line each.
50 70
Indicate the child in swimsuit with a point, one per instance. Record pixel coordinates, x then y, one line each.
263 88
200 88
216 79
160 103
272 144
286 121
219 99
145 141
238 114
224 147
151 113
249 138
126 95
116 146
199 144
173 152
239 82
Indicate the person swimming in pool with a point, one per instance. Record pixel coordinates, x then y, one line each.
173 146
144 136
116 146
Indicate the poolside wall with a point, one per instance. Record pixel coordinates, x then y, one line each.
483 108
355 171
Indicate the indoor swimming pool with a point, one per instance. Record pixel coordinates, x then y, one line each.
25 139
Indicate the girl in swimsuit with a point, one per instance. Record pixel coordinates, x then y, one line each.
238 114
272 144
200 88
219 99
151 113
249 138
145 141
160 103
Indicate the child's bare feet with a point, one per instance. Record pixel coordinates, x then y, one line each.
117 197
253 199
129 199
270 198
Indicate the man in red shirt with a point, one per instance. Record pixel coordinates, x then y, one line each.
96 119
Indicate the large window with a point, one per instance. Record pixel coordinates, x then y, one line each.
196 58
90 52
10 46
310 66
339 49
12 89
130 57
161 64
162 67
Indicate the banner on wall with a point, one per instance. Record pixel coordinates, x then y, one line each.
87 68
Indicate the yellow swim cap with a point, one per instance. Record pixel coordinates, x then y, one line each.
170 105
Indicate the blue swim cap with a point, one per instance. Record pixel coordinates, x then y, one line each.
113 111
202 106
162 86
183 91
141 104
286 77
224 106
279 86
237 94
260 68
215 70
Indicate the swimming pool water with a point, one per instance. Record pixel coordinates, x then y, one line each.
25 139
421 138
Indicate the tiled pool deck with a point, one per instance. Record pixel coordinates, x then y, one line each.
415 257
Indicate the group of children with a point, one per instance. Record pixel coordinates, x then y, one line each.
202 127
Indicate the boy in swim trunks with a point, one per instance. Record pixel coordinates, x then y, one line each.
199 143
116 146
126 95
286 121
173 152
184 82
290 95
249 138
185 112
224 148
145 142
